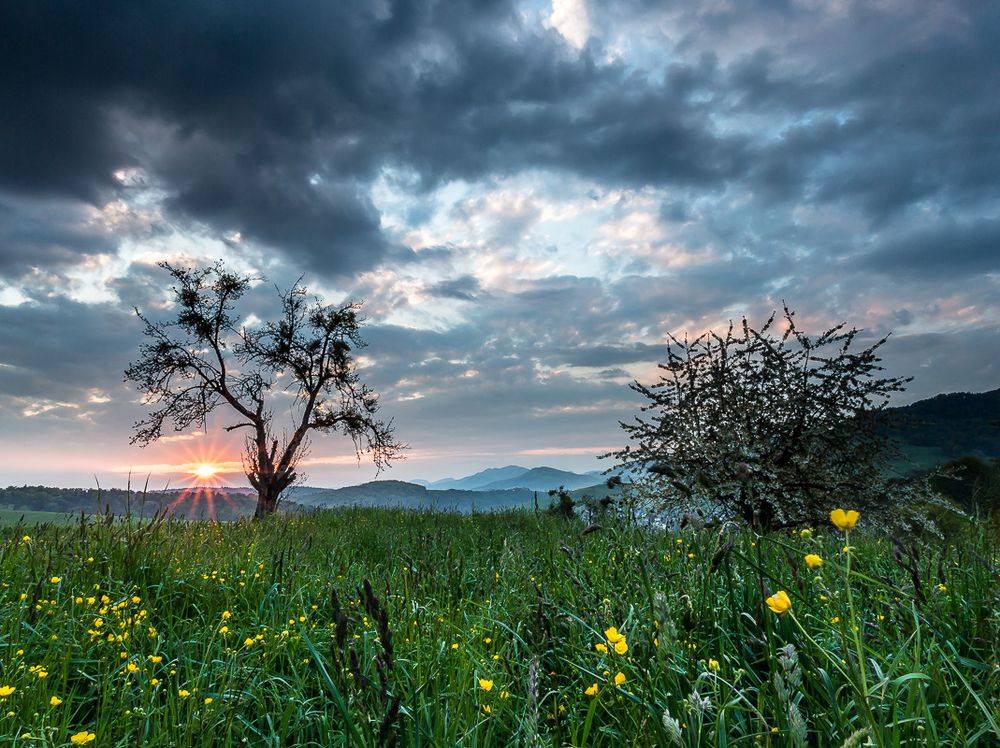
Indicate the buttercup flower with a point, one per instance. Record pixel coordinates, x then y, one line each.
592 691
619 678
6 691
82 738
613 636
814 561
486 685
779 602
844 520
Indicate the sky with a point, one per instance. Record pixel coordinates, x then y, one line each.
528 197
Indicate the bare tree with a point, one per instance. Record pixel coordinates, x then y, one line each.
774 428
206 357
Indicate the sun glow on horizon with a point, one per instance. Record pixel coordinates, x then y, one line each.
205 471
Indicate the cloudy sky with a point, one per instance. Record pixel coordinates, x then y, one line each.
527 196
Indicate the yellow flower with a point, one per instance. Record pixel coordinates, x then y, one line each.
619 678
26 539
153 681
779 602
486 685
487 709
844 520
713 665
454 646
248 642
813 561
6 690
226 615
805 532
592 691
621 646
223 629
55 701
601 647
132 667
155 659
56 580
613 636
208 700
82 738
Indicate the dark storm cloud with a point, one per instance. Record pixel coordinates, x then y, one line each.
950 250
273 120
45 234
464 288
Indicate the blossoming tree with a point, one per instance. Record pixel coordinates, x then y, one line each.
765 425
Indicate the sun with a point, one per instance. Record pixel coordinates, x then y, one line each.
205 471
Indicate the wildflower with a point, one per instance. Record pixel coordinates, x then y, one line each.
183 693
26 539
601 647
487 640
208 700
844 520
613 636
223 629
942 588
805 532
779 602
55 701
132 667
713 665
813 561
82 738
486 685
153 681
619 678
505 694
592 691
56 580
155 659
226 615
621 647
487 709
454 646
6 691
248 642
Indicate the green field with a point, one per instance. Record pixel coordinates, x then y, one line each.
490 630
31 517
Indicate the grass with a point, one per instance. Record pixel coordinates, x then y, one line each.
488 630
32 517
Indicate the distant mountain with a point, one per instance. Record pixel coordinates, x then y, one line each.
476 480
394 493
948 426
542 479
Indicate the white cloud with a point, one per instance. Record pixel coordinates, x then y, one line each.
571 19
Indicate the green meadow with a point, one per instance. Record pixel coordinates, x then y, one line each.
381 627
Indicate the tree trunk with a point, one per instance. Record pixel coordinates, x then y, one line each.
267 502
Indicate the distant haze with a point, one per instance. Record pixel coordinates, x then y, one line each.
527 195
